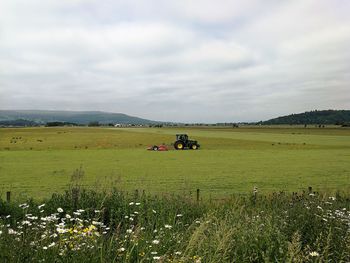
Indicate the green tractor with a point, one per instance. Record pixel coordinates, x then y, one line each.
182 142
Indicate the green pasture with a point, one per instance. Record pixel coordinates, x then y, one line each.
38 161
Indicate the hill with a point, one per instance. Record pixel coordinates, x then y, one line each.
79 117
338 117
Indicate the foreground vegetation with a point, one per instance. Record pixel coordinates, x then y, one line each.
89 226
37 161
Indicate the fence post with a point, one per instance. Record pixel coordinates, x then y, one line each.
8 196
310 189
197 195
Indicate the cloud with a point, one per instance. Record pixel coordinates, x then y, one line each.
182 60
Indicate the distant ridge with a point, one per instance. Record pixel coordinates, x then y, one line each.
78 117
338 117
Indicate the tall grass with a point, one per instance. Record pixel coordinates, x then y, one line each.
89 226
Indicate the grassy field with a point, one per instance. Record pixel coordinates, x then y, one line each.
38 161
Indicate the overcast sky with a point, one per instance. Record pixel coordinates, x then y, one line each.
182 60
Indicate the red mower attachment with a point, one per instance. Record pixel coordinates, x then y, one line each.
161 147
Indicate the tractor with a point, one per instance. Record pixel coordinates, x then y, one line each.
182 142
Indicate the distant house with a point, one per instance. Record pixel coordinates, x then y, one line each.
117 125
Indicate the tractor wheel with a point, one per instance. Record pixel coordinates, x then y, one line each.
155 148
194 147
179 145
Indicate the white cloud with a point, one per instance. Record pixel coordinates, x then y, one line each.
180 60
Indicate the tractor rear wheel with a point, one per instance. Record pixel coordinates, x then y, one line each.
179 145
194 147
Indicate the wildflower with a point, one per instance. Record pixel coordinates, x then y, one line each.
26 222
68 216
154 252
59 210
131 203
311 194
23 205
168 226
197 259
156 242
198 222
154 211
142 228
121 249
41 206
255 189
61 230
137 203
314 254
81 211
92 227
52 244
76 213
97 211
11 231
45 248
177 253
179 215
0 232
156 258
8 216
129 231
332 198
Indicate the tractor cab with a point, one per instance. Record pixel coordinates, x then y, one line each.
182 137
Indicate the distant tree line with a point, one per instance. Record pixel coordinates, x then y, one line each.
60 123
18 123
329 117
